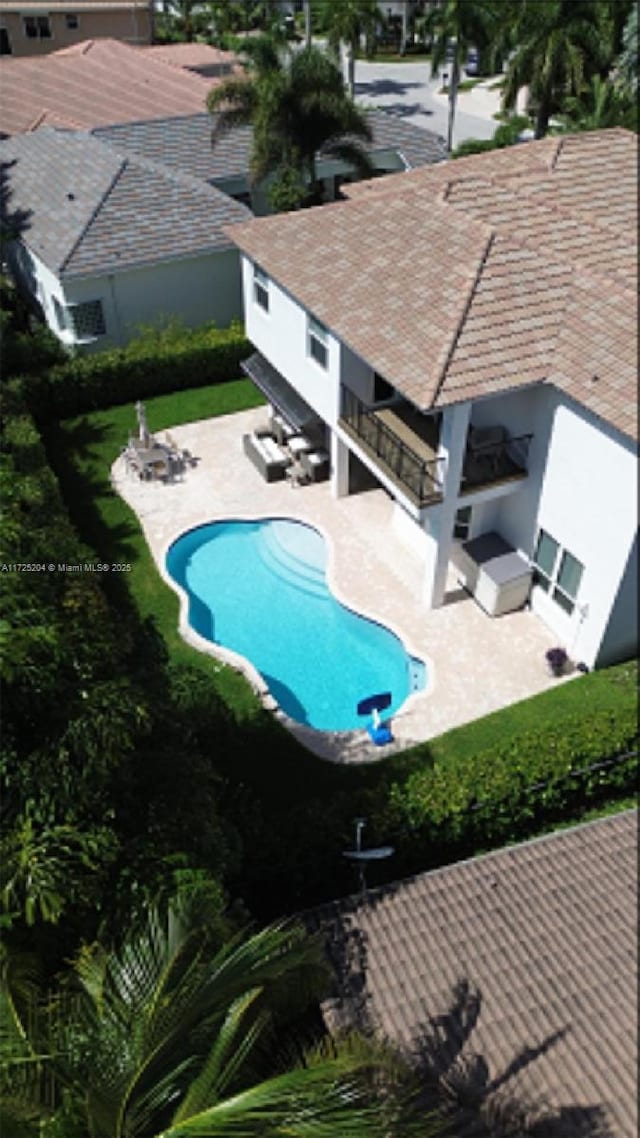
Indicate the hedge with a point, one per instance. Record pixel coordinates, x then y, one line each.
498 794
157 363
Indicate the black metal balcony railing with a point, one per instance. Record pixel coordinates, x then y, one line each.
495 462
421 477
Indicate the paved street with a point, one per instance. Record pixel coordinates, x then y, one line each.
409 90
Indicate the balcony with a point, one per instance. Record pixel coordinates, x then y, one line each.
402 442
492 457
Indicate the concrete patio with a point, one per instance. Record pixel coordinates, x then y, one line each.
475 664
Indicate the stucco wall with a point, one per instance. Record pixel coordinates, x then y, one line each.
582 489
281 335
132 26
196 290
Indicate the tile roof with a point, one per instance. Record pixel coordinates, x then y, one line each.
545 931
185 142
92 84
559 219
191 55
94 211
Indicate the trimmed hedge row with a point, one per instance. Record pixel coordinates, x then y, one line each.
157 363
497 795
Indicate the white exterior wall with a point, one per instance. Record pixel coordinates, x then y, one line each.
196 290
281 335
582 489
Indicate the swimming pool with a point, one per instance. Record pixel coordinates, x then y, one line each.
260 589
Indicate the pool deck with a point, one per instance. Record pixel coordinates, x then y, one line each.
476 664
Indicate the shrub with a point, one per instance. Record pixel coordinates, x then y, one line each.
464 802
156 363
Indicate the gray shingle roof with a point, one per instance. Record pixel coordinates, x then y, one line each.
546 931
185 142
94 210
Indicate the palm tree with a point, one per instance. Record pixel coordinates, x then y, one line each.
346 23
168 1035
558 47
297 106
602 104
454 27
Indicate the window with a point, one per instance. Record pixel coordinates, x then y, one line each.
557 571
5 42
261 288
382 391
318 342
87 319
61 314
462 523
37 27
71 21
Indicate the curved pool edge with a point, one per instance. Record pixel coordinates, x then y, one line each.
335 746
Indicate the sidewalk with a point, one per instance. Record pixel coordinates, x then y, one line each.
483 101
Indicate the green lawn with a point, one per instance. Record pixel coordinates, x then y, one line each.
82 451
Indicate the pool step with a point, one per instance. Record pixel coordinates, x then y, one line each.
291 567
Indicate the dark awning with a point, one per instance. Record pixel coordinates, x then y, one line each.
272 384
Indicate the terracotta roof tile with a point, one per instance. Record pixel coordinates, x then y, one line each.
545 930
92 84
479 275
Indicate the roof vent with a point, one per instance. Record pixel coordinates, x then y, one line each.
71 197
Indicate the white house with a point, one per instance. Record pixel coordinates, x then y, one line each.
465 336
106 242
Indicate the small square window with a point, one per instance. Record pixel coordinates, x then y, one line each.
87 319
261 288
382 390
71 21
318 342
462 523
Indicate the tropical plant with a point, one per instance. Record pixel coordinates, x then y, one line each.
602 104
297 106
347 23
559 45
173 1034
627 60
454 27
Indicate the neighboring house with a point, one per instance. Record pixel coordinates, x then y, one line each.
31 28
185 142
109 242
96 83
545 933
467 334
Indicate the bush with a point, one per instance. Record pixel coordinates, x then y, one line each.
156 363
500 794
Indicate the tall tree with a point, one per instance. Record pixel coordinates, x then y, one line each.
558 47
346 24
297 105
168 1035
454 27
627 60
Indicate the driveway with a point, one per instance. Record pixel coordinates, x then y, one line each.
410 91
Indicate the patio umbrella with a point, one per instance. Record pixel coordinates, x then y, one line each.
142 423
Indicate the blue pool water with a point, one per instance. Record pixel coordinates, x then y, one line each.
260 589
